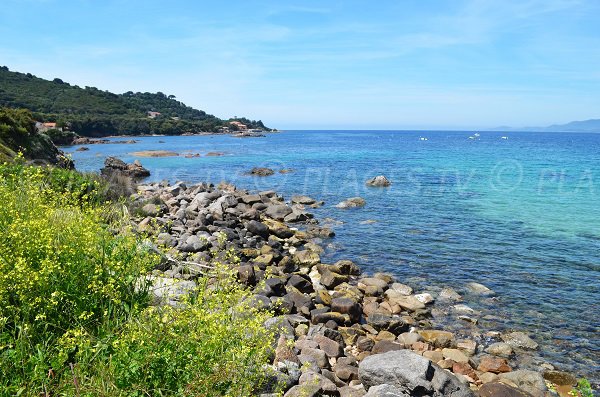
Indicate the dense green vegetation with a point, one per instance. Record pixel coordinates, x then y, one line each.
75 316
93 112
18 134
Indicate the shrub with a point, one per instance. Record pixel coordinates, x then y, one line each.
63 274
214 346
75 320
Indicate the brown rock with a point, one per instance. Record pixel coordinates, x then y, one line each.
329 346
464 369
346 306
493 364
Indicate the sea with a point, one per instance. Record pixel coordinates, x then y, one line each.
516 211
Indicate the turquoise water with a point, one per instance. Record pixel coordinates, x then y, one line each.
520 215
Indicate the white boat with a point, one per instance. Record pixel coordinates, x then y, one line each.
504 137
423 139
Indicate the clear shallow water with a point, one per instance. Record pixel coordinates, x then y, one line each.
521 215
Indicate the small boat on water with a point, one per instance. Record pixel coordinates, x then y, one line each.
504 137
423 139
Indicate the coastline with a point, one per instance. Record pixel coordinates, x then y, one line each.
378 315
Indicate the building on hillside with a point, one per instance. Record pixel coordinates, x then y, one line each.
43 127
153 115
238 125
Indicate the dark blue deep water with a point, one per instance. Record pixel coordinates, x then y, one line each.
520 215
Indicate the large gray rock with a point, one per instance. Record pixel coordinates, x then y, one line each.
410 373
258 229
278 211
379 181
114 166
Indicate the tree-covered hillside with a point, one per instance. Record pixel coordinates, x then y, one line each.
93 112
18 134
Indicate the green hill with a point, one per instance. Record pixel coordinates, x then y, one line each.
93 112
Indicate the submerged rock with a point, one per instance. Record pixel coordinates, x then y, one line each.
519 339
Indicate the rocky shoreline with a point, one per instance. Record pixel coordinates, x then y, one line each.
339 332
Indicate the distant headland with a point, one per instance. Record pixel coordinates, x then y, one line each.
92 112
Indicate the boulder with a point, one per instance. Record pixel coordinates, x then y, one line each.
437 338
345 267
300 283
455 355
530 381
402 289
393 324
519 339
499 349
410 373
410 303
278 211
378 181
329 346
479 289
304 200
114 166
315 356
346 306
195 244
449 294
258 229
331 279
261 171
306 258
493 364
353 202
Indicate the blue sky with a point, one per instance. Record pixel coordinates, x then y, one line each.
325 64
